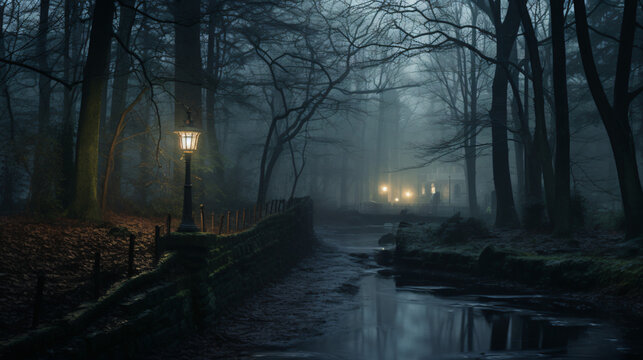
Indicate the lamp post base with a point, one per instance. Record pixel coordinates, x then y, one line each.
188 228
187 222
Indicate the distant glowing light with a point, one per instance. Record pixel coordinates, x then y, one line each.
384 188
408 194
397 199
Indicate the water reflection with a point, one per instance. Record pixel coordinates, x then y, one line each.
398 322
402 319
336 305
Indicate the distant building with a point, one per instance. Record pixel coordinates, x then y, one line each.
447 180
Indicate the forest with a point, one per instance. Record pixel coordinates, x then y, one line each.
524 114
325 98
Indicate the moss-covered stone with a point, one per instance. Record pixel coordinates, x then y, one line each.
568 270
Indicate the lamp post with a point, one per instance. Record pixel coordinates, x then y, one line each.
188 140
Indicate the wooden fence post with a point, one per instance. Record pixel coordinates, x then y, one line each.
96 274
157 235
168 224
213 225
37 304
202 218
227 227
130 257
236 221
243 220
259 214
221 224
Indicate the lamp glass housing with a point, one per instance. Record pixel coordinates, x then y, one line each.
188 139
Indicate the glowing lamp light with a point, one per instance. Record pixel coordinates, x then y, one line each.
384 188
188 138
397 199
408 194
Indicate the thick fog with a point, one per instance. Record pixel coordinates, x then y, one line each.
369 106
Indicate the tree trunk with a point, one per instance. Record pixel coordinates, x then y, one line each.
264 167
67 135
540 136
213 68
8 164
119 96
146 141
519 155
563 201
506 33
187 67
533 206
615 117
266 173
343 182
85 202
472 125
42 181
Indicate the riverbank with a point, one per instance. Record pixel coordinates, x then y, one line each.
600 269
367 311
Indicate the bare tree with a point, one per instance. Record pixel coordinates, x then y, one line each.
615 115
42 187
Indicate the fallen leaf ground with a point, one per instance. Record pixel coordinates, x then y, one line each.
63 250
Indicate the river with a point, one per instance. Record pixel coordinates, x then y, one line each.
339 304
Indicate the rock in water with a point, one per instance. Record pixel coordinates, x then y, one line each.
387 239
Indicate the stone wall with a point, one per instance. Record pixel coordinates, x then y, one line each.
200 276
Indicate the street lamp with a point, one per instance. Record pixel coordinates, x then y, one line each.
384 188
188 140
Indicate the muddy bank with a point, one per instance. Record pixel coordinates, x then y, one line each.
600 269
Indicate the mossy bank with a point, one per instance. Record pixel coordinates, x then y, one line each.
604 267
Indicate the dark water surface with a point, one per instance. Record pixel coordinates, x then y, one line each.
336 305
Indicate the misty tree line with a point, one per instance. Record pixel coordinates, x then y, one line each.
106 77
552 47
91 91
